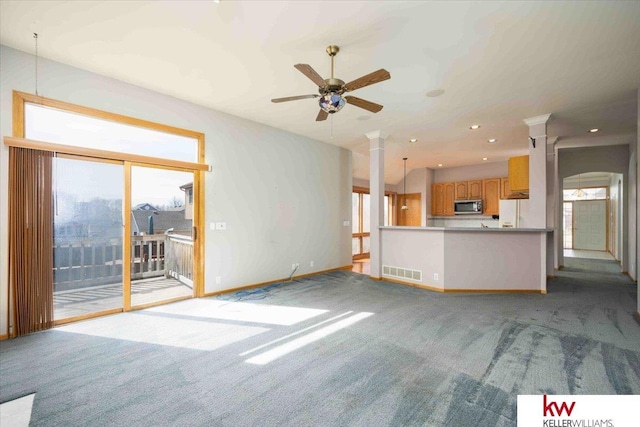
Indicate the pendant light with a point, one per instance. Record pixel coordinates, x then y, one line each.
404 191
579 193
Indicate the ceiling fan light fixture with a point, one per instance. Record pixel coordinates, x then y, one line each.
331 102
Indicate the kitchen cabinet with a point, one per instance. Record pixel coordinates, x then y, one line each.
442 198
461 190
468 190
449 198
437 199
475 189
519 174
491 199
505 190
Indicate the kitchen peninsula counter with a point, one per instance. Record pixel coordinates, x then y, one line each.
472 259
509 229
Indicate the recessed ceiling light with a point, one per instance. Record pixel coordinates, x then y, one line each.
474 127
439 165
435 93
413 140
492 140
594 130
485 158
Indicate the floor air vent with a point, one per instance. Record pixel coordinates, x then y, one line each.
402 273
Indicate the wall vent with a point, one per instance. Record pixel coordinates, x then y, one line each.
402 273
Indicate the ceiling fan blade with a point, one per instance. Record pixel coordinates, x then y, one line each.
311 73
322 115
363 103
294 98
369 79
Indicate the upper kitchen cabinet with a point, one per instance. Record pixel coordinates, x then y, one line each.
519 174
475 189
461 190
442 198
437 199
449 198
468 190
491 199
505 189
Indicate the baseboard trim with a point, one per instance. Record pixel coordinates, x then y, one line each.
470 291
271 282
498 291
413 285
4 337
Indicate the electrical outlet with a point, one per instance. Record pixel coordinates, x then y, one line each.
435 276
221 225
218 280
311 264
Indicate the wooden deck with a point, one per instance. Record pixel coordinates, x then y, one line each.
78 302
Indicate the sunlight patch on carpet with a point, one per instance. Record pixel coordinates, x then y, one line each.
17 412
240 311
169 331
284 349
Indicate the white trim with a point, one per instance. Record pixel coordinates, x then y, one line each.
538 120
377 134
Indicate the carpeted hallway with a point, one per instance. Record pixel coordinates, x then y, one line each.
336 349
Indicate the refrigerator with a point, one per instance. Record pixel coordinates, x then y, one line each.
513 213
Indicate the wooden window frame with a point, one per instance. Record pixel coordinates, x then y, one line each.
20 99
360 234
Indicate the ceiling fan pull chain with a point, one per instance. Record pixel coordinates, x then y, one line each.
35 36
331 119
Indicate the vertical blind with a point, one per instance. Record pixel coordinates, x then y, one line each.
31 239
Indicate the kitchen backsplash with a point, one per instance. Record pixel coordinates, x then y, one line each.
474 222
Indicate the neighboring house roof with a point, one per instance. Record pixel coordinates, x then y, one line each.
144 207
162 221
187 185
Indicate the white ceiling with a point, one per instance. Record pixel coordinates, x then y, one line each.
497 62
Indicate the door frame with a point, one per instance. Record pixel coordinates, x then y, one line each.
20 99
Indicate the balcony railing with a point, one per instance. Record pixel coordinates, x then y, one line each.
84 264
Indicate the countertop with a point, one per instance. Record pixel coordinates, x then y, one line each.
472 229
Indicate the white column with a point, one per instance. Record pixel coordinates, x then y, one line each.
554 216
376 190
538 170
538 188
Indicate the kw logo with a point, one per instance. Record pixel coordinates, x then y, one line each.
548 408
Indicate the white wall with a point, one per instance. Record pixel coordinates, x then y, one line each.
477 260
284 197
634 203
417 183
615 214
364 183
466 173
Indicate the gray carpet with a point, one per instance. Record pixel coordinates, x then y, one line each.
422 358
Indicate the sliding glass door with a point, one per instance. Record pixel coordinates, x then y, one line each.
161 224
87 237
121 233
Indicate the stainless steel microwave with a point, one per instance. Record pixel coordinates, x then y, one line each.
467 207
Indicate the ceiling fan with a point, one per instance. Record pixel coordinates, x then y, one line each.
331 90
